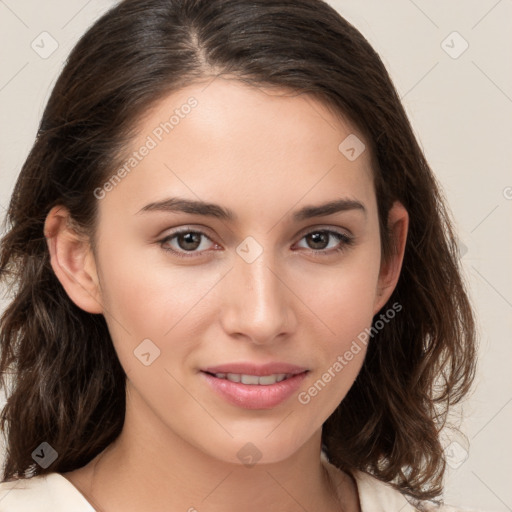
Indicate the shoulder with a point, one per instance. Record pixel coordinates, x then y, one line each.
378 496
44 493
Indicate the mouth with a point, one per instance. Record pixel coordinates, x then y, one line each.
254 390
254 380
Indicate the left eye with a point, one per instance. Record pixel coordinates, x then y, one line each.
321 237
188 241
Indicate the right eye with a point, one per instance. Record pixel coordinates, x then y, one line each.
186 241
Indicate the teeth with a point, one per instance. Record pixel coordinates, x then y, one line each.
265 380
249 379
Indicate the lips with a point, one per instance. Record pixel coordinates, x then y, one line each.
253 386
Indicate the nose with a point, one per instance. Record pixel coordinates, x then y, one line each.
257 304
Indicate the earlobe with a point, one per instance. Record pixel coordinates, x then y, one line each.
72 260
398 224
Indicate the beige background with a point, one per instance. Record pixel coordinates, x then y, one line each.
461 110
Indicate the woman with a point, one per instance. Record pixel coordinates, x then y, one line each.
235 283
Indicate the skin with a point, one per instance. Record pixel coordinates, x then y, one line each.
263 155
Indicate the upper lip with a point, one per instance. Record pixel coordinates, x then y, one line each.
255 369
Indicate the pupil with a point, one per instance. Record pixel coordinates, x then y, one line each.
189 238
319 238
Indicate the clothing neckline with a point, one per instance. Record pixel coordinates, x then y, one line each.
370 492
86 502
76 490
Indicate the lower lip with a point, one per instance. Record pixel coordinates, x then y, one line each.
255 396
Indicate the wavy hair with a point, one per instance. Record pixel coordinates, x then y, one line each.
67 386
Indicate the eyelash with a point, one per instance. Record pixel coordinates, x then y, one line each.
342 237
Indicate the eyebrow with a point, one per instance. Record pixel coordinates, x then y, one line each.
178 204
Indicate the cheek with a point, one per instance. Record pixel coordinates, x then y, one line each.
146 292
153 300
344 297
347 311
344 305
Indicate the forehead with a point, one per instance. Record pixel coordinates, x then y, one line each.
222 137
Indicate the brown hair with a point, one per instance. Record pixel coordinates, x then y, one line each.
68 387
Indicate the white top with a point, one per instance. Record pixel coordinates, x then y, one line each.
55 493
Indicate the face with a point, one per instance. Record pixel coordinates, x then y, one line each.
261 278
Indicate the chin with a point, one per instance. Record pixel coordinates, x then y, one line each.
258 451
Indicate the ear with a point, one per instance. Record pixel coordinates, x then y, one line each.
398 224
72 260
